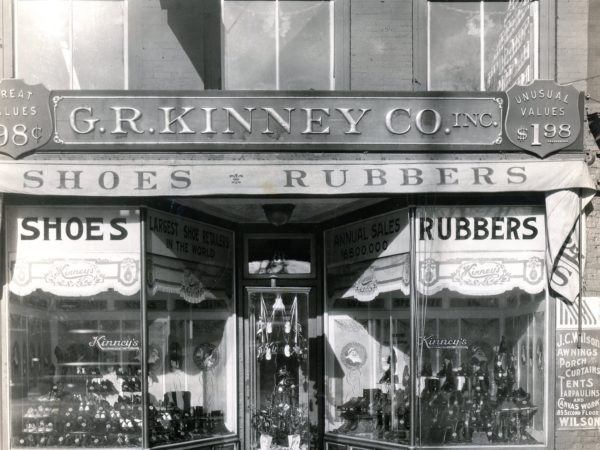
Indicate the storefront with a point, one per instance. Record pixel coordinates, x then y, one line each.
341 272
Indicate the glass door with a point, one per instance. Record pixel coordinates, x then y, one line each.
278 363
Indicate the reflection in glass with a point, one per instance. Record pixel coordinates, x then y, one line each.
454 61
59 42
510 44
98 40
476 383
42 44
249 44
304 45
191 369
279 366
368 367
280 256
277 45
482 45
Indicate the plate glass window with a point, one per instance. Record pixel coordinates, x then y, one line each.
295 50
368 329
74 327
481 323
481 45
279 364
192 359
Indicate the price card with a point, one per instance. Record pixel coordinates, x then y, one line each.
25 120
543 117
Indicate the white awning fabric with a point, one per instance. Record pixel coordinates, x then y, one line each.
564 182
119 178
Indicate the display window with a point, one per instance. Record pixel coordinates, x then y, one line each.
191 336
124 330
74 327
368 329
481 306
467 318
279 367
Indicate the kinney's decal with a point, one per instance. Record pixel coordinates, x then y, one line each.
105 343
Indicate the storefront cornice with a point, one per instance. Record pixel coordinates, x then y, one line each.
300 157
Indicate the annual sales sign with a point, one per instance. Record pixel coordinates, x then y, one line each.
541 118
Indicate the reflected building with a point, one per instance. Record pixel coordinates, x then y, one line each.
514 60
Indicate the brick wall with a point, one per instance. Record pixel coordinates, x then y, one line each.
571 38
594 50
578 58
381 45
593 88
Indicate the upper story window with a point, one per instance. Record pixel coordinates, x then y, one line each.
278 44
283 44
71 44
482 45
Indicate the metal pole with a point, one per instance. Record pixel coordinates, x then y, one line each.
580 259
144 331
413 330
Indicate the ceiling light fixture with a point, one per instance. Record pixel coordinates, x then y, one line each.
278 214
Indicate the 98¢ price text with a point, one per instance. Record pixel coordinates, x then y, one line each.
19 135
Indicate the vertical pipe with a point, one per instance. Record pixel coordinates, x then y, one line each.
126 44
5 375
534 12
428 46
482 46
331 46
144 330
580 260
413 331
277 45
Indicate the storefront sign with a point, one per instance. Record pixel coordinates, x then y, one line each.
203 178
25 120
191 259
177 237
369 257
378 237
57 250
578 380
543 117
482 250
276 120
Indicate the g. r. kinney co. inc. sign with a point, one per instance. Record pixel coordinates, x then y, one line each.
540 119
